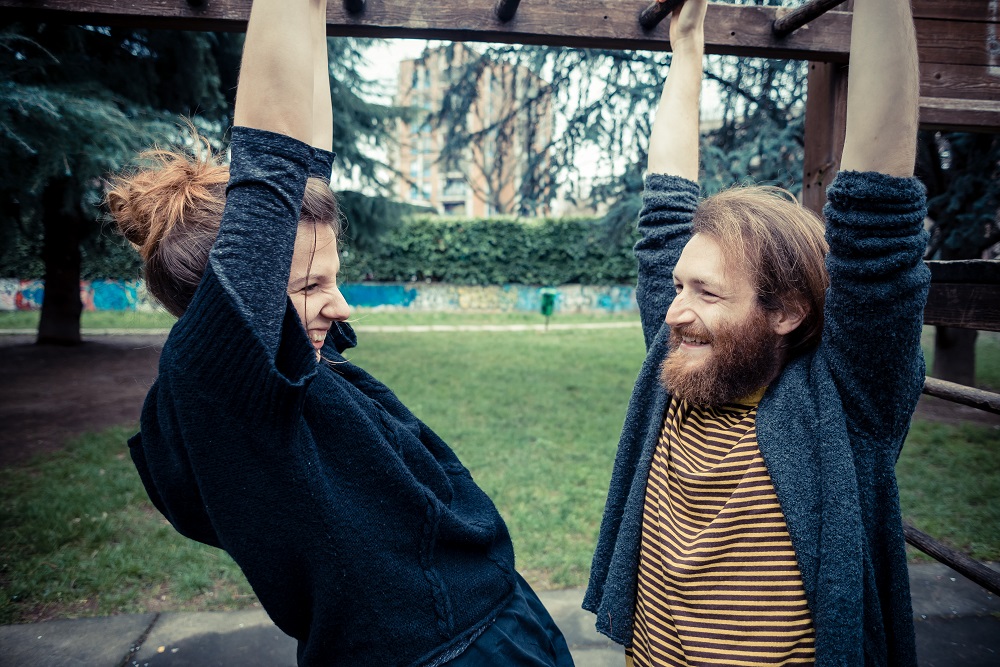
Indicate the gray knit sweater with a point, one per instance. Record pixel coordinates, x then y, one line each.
830 427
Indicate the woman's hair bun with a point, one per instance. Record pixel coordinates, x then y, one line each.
170 191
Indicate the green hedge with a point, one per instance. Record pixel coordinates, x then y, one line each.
491 251
496 251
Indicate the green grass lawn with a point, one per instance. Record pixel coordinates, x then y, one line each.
536 418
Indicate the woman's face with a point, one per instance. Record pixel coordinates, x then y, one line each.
312 283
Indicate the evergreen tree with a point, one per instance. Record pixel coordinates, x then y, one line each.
77 102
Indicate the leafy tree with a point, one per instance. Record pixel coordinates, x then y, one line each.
77 102
606 100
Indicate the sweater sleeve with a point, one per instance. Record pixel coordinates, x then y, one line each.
874 307
668 206
252 255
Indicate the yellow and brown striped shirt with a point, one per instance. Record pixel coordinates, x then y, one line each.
718 580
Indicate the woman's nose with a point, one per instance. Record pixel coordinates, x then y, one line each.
336 307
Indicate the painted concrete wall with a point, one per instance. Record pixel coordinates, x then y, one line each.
427 297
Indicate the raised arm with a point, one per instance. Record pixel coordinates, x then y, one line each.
875 214
883 89
284 89
275 91
671 193
673 142
322 106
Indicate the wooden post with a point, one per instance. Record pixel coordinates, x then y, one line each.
826 125
797 18
651 16
505 9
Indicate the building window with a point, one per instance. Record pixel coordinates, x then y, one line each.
454 187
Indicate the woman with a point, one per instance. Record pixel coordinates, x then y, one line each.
360 531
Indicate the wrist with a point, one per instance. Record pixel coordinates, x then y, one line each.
688 45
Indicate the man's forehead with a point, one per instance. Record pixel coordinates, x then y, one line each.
703 261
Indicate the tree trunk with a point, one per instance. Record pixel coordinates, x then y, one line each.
61 305
955 355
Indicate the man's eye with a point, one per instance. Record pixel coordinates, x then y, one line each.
311 287
678 288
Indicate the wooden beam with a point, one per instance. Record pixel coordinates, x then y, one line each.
959 393
794 19
968 567
959 115
740 30
956 10
826 123
967 82
958 42
963 305
971 271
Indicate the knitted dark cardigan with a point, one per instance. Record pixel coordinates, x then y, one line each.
360 531
830 427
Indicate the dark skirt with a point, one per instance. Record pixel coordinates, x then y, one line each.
524 635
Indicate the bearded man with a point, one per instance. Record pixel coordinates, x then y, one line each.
753 516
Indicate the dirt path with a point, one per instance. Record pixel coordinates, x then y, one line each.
49 394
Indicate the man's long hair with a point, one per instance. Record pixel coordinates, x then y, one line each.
780 244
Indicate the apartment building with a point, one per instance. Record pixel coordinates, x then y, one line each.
486 176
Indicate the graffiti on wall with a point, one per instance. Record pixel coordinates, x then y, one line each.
94 295
424 297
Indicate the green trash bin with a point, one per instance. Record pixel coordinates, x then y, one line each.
548 303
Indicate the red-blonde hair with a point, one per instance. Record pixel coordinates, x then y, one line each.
170 210
780 244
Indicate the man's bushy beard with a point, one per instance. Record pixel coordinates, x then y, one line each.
743 358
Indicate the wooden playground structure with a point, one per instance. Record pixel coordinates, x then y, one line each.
959 51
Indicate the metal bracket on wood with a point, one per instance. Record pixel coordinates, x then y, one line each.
354 6
797 18
651 16
505 9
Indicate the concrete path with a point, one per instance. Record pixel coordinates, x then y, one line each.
958 624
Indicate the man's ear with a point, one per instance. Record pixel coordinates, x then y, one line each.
786 320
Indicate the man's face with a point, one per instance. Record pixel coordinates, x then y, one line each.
722 344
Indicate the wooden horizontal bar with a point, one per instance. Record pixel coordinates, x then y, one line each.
968 82
969 568
974 271
963 305
740 30
956 10
959 115
794 19
958 42
959 393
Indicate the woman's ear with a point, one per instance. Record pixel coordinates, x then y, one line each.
786 320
